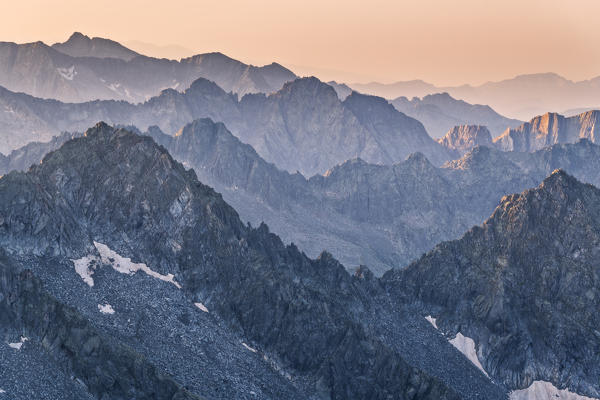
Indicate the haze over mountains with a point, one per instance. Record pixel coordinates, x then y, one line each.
302 127
84 69
233 231
521 97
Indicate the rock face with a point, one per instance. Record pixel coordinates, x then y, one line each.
84 69
462 139
549 129
80 45
302 127
440 112
524 286
279 325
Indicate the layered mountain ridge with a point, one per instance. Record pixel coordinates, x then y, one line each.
302 127
110 219
381 216
83 69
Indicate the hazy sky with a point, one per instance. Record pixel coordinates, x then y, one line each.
445 42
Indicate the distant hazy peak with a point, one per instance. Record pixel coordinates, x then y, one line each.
80 45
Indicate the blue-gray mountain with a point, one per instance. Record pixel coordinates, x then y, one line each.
525 286
302 127
140 282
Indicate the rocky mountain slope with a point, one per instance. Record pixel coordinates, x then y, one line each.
549 129
524 286
130 262
381 216
462 139
83 69
440 112
302 127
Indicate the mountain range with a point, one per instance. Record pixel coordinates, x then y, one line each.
302 127
84 69
440 112
118 300
521 97
134 279
380 216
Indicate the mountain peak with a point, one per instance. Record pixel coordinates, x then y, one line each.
80 45
78 36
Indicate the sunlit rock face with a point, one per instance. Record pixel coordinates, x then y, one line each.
462 139
549 129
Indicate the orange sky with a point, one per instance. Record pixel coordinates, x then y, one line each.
445 42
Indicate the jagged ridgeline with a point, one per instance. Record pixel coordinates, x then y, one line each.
120 249
525 287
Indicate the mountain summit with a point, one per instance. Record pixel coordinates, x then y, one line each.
80 45
524 286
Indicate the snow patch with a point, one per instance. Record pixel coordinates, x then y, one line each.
201 306
466 345
431 321
2 391
19 344
82 267
106 309
114 87
124 265
249 348
540 390
67 73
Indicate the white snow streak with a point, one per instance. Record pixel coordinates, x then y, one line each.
19 344
106 309
2 391
431 321
249 348
201 306
124 265
466 345
540 390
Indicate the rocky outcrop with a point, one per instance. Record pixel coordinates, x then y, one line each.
548 129
462 139
271 323
440 112
524 286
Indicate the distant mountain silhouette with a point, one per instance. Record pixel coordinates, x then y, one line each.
84 69
440 112
521 97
